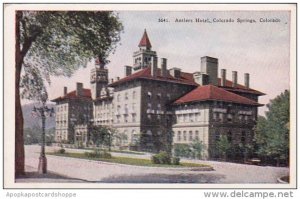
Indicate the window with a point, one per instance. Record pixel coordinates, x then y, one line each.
190 135
197 135
149 95
118 97
158 107
243 137
118 118
179 136
133 117
126 109
149 105
229 136
229 117
184 118
192 117
184 135
197 117
217 136
125 118
158 96
133 94
133 106
118 109
126 96
169 96
125 138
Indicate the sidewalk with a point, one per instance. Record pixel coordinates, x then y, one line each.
32 176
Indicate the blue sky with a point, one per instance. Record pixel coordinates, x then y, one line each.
261 49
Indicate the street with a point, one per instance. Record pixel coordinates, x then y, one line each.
81 170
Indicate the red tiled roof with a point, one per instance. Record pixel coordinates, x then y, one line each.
185 78
239 88
72 95
210 92
145 40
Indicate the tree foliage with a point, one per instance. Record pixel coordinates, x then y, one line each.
56 43
223 146
61 42
101 136
272 131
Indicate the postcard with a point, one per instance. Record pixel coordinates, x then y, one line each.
150 96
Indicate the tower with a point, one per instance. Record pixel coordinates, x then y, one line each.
142 57
99 78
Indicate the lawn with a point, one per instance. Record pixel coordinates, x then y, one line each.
129 161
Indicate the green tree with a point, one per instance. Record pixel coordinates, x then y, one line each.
182 150
272 131
101 136
197 149
223 146
56 43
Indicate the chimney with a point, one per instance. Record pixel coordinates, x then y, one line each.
223 77
79 89
153 66
117 78
247 78
200 78
163 67
128 70
175 72
234 78
209 66
112 80
65 90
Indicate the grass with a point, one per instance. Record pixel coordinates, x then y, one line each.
118 151
129 161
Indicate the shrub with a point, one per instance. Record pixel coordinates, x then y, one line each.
98 154
161 158
155 159
61 151
176 160
182 150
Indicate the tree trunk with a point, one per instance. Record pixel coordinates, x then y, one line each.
19 141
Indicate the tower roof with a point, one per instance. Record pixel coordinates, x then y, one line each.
145 40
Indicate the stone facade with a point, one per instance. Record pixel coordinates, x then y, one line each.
154 107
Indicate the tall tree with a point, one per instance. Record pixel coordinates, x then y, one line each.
223 146
56 43
272 131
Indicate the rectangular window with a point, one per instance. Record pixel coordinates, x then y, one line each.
133 117
179 136
190 135
184 135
